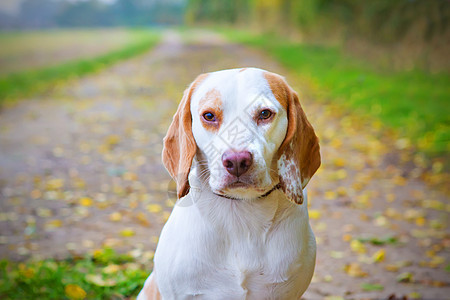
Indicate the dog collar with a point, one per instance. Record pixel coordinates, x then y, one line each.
276 187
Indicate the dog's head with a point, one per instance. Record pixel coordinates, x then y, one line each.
247 132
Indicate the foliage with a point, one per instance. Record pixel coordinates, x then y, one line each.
386 20
404 34
88 13
27 82
105 274
414 103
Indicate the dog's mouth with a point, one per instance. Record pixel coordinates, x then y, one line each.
238 184
240 190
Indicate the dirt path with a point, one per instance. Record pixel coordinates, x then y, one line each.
80 169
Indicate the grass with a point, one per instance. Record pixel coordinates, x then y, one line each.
25 83
103 275
31 49
414 103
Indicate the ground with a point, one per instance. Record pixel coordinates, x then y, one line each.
80 169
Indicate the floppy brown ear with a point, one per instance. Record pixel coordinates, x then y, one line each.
179 144
298 155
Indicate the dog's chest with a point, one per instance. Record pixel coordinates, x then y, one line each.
234 269
227 263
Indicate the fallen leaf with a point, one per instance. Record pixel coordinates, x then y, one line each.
98 280
354 270
54 184
369 287
85 201
111 269
142 219
74 291
115 217
127 232
405 277
379 255
357 246
314 214
154 208
53 224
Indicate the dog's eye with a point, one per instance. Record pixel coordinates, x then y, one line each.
209 117
265 114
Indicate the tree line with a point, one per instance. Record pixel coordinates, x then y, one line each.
385 20
94 13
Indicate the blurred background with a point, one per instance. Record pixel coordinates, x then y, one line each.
88 89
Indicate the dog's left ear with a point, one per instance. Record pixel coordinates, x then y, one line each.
299 154
179 144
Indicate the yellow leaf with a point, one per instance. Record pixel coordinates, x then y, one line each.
341 191
142 219
53 224
415 295
337 254
314 214
54 184
98 280
339 162
74 291
127 232
330 195
112 140
357 246
405 277
128 176
85 201
354 270
25 271
392 268
346 237
113 268
115 216
336 143
44 212
420 221
154 208
333 298
379 255
341 174
399 180
436 261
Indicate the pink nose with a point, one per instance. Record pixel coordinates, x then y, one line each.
237 163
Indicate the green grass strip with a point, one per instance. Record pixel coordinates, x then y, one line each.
414 103
104 275
25 83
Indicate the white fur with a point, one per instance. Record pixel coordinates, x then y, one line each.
216 248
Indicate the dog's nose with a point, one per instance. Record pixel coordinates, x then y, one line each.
237 163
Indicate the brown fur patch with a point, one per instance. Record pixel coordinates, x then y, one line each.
279 88
179 144
211 102
300 144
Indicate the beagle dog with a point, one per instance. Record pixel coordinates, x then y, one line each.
241 152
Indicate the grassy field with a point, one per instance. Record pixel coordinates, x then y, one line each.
413 103
25 50
91 52
103 275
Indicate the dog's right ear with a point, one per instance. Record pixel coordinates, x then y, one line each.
299 154
179 144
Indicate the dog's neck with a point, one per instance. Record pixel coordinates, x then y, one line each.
244 215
